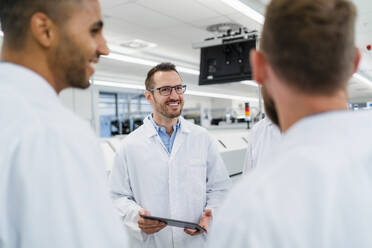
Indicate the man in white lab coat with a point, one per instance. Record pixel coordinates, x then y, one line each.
316 190
53 191
168 167
264 136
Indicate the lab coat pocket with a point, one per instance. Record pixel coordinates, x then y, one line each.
195 178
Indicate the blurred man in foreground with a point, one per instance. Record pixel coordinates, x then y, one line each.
317 191
53 191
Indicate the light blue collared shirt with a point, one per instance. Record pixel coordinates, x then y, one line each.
167 141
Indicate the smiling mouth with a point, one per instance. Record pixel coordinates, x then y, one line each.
173 104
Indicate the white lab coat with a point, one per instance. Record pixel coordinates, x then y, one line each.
315 192
53 191
180 185
262 138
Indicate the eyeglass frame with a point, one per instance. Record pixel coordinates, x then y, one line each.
171 89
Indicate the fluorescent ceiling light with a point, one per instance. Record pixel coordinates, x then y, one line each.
188 92
249 82
119 85
138 44
223 96
187 70
362 78
133 60
129 59
246 10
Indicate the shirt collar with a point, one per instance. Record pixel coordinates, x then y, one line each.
162 129
150 129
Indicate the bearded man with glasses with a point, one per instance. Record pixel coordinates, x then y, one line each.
168 168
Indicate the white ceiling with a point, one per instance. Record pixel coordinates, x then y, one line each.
175 24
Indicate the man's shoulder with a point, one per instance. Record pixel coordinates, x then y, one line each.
13 105
58 126
43 141
264 125
135 137
193 128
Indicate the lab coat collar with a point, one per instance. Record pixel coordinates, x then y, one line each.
29 83
150 130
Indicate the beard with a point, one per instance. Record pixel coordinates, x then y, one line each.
164 111
68 64
269 106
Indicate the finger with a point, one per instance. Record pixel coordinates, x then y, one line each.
190 231
208 213
193 232
151 230
148 222
144 212
149 226
151 222
146 225
161 228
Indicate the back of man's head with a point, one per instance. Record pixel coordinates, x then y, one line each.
15 17
310 43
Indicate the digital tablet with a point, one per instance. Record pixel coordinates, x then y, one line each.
177 223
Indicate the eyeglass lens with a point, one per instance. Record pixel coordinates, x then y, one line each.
167 89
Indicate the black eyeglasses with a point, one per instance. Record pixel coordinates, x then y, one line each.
167 90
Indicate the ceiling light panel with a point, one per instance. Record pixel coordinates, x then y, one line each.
130 59
246 10
137 44
188 92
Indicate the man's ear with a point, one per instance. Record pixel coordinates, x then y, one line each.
357 59
149 96
258 64
43 29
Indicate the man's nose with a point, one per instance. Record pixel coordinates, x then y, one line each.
102 48
173 94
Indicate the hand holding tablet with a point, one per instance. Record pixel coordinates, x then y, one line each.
176 223
149 226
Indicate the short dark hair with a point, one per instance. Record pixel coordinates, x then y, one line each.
310 43
165 66
15 16
269 106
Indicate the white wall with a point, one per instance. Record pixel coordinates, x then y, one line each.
80 102
218 103
197 102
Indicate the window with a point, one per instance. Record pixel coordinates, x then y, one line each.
121 113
